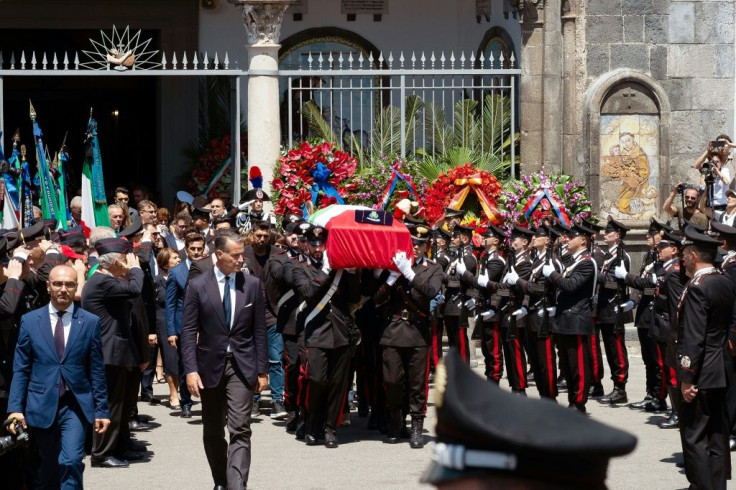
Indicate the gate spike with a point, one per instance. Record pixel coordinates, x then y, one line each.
163 61
217 62
423 59
12 60
44 62
184 61
206 61
413 59
339 59
55 62
442 59
452 59
173 61
76 60
195 61
66 60
320 60
309 60
462 59
22 60
360 60
432 59
401 59
226 63
33 60
350 59
512 59
390 59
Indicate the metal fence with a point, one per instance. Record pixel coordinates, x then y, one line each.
403 106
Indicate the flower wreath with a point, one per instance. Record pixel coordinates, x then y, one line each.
538 197
451 188
212 173
313 176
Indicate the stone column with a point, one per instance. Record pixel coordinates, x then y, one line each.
262 20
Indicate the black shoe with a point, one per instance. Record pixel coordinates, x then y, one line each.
311 440
150 399
129 456
186 413
110 462
641 404
137 426
256 411
673 422
278 410
404 432
301 429
614 397
291 421
596 391
220 487
578 408
372 420
656 405
330 439
416 441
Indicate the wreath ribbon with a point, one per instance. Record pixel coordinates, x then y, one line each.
321 173
391 187
534 201
475 182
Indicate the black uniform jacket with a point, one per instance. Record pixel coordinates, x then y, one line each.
644 287
509 297
539 292
702 323
575 289
332 326
608 285
280 294
459 288
407 306
493 263
110 299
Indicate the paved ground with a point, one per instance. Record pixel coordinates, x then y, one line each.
177 460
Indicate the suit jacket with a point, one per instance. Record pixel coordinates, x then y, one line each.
175 287
203 314
160 284
200 266
574 305
38 369
109 299
702 324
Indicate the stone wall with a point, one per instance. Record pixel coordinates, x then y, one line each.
685 46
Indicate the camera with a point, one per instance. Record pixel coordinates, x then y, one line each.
707 171
10 442
680 188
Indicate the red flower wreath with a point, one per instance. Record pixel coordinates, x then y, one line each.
441 192
293 189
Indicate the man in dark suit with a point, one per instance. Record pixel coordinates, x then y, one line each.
572 323
124 348
702 321
59 384
225 352
176 286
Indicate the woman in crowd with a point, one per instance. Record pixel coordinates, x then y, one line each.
167 259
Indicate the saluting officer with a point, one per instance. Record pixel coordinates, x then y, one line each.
329 333
572 323
539 306
459 291
702 322
609 323
405 297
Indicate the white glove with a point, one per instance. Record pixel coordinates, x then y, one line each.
392 276
520 313
511 277
20 254
460 267
470 304
487 315
551 310
628 306
325 264
404 265
620 271
548 269
483 279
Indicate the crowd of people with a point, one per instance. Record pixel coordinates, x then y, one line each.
219 302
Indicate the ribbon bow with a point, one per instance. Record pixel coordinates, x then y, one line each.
558 208
391 187
321 173
474 183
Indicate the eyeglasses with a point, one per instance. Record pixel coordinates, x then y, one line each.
61 284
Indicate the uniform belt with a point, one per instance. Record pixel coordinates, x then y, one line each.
409 316
610 285
505 293
649 291
453 284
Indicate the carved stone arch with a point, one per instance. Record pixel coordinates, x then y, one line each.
497 33
604 96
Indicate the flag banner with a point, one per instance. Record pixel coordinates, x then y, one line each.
48 197
94 200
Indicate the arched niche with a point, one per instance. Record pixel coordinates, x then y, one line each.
627 140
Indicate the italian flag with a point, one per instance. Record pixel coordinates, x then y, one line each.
94 214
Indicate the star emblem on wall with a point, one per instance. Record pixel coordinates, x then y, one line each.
120 51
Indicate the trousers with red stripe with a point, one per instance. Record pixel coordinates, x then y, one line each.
618 358
457 335
574 353
596 357
543 359
515 357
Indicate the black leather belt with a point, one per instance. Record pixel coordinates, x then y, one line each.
649 291
409 316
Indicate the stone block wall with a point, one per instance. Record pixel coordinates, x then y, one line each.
685 46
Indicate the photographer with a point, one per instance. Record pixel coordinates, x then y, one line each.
691 211
723 145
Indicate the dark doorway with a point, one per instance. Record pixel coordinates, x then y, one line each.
124 107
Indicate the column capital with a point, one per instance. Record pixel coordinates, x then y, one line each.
262 19
529 9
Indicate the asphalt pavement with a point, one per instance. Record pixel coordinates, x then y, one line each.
176 457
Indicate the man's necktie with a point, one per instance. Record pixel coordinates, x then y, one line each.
59 343
226 306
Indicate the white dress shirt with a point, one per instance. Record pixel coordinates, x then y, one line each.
66 320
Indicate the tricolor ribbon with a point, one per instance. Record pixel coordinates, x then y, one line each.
391 187
474 183
534 201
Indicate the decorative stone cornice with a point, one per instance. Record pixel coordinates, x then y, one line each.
262 19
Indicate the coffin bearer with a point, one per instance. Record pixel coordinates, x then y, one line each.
405 297
702 322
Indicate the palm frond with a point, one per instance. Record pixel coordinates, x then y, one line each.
317 124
